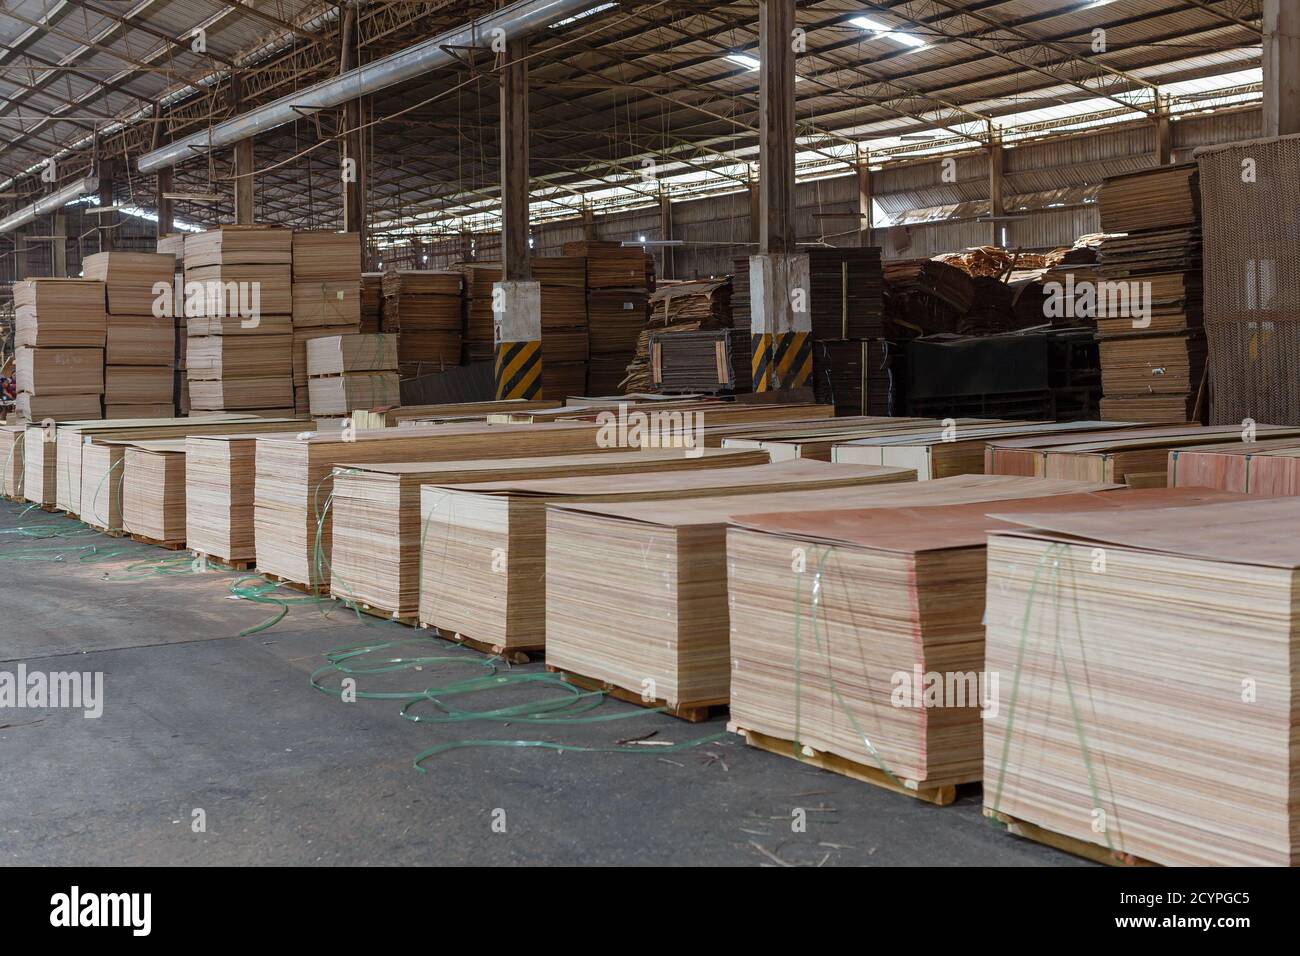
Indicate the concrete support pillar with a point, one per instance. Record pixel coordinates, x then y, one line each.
516 301
866 208
667 269
996 208
780 313
166 219
1281 28
59 246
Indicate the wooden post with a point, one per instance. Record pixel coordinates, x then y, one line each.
106 222
666 234
1281 28
1164 131
776 23
59 246
996 207
351 149
866 208
514 162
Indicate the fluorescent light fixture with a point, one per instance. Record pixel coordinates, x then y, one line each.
883 30
579 16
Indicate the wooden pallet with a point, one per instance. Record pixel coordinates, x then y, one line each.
939 792
295 585
514 655
383 615
169 545
1059 841
225 565
695 712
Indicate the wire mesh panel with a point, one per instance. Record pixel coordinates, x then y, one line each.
1250 198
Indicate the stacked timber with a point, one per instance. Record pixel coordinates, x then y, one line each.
860 376
845 294
872 660
1137 456
153 491
220 473
376 526
372 301
425 309
612 265
1137 715
173 244
650 607
1149 303
102 484
239 347
817 440
923 297
675 307
619 281
1267 468
295 478
40 466
706 362
486 561
59 333
12 468
402 414
479 278
327 294
565 348
347 372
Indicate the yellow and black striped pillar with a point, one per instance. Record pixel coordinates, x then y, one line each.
518 370
781 360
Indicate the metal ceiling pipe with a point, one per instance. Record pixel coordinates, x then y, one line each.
517 20
51 203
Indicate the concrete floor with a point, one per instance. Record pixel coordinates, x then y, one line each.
196 717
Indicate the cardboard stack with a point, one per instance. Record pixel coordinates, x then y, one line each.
327 296
59 329
347 372
140 346
424 308
239 347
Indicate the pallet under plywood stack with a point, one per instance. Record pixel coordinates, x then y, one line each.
1148 712
59 332
1153 352
327 297
349 372
238 361
140 348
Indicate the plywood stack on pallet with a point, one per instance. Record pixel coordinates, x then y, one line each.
1152 357
59 332
818 440
700 362
153 491
1138 457
376 527
347 372
677 307
485 559
102 484
619 282
425 309
391 417
372 302
140 345
868 656
40 466
327 296
1135 728
478 280
12 439
295 478
950 451
236 360
651 605
173 244
220 473
1267 468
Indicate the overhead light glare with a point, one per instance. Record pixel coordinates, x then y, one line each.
883 30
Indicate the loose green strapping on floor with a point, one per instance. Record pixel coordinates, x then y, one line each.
572 706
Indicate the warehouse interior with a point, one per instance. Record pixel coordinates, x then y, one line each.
649 432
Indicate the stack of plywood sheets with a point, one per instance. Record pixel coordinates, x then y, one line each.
295 478
40 458
153 491
1267 468
376 528
614 321
372 301
59 331
952 451
612 265
870 648
425 308
1149 711
1138 458
11 461
220 471
1027 456
390 417
651 602
102 484
239 353
327 296
347 372
818 441
485 550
